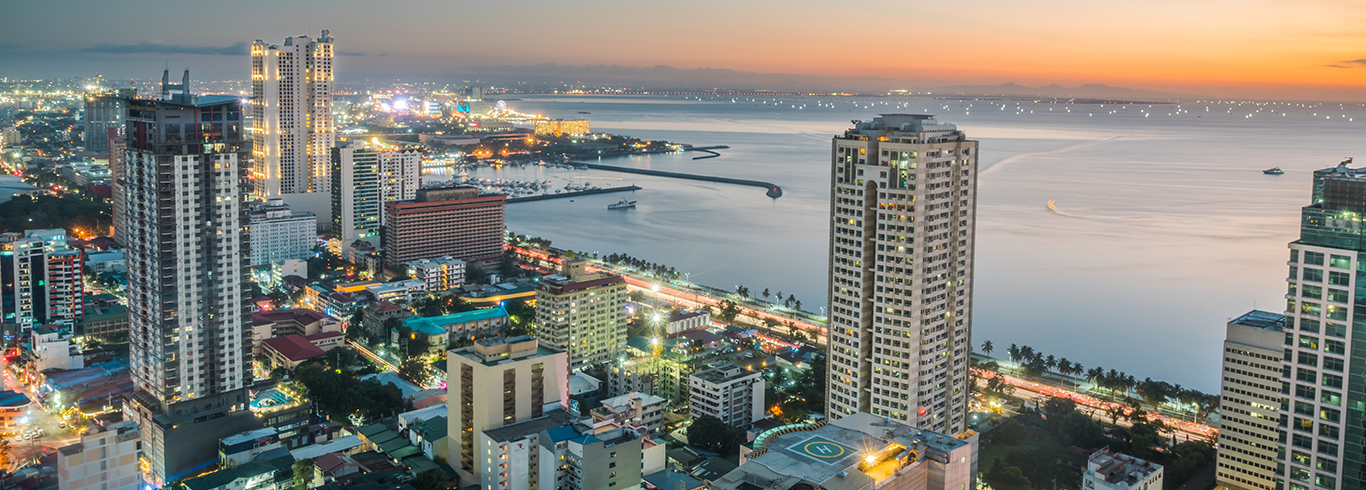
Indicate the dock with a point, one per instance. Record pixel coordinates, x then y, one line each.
545 197
771 190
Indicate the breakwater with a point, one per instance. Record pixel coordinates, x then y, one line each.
770 189
544 197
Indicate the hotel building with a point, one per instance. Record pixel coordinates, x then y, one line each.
455 222
292 132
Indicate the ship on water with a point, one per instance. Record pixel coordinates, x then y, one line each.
623 204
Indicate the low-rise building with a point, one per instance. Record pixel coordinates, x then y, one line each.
729 393
516 450
404 291
243 448
466 324
106 323
590 458
1107 470
279 323
103 460
278 234
50 347
374 315
632 410
13 407
288 351
861 451
106 261
687 320
441 274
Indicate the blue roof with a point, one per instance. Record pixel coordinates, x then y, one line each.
670 480
11 398
561 433
430 324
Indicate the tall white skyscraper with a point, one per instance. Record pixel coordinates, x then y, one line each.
186 251
902 208
292 131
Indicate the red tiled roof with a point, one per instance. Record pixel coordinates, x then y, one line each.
294 347
302 315
384 306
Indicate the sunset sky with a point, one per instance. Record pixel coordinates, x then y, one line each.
1269 49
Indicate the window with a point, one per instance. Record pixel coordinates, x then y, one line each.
1294 272
1307 359
1340 262
1326 447
1338 296
1334 347
1332 380
1309 308
1300 474
1327 465
1303 408
1315 292
1294 255
1308 342
1337 312
1304 425
1329 397
1332 364
1313 258
1291 291
1313 275
1304 392
1323 480
1336 278
1311 326
1300 458
1306 375
1335 330
1329 431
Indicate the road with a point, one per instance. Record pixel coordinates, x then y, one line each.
1096 407
692 298
22 451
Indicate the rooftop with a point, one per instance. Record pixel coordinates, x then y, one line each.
1116 467
430 324
552 419
1261 319
302 315
294 347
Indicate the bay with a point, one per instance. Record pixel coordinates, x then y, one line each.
1165 226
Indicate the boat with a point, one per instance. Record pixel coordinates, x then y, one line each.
1050 206
1273 171
623 204
584 112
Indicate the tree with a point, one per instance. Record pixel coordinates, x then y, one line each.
987 347
475 274
303 474
1013 352
729 310
414 371
710 433
4 454
793 415
765 294
1003 477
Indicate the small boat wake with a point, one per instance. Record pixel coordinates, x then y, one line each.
1053 209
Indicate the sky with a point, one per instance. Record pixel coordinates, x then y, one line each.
1275 49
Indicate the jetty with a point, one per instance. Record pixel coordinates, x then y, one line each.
707 150
545 197
770 189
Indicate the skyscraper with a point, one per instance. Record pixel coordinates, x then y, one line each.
190 349
292 132
1250 401
582 313
902 209
41 280
1323 414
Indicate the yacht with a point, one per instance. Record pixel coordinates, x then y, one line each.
623 204
1273 171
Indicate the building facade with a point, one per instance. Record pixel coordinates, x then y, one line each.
583 313
1326 327
1108 470
498 382
729 393
292 129
43 280
441 274
455 222
104 111
103 460
903 200
278 234
1250 401
186 250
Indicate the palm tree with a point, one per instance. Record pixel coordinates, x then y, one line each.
987 347
1013 352
764 293
796 304
1064 366
1051 362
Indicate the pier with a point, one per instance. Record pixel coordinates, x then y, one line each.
544 197
771 190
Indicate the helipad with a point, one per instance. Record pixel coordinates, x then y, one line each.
822 449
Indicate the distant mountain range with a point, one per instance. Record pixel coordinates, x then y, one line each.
1086 91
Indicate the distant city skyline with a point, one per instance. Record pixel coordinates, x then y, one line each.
1277 50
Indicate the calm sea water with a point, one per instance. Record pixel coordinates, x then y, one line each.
1165 225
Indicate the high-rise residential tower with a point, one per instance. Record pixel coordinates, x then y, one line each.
292 131
582 313
190 343
364 177
1323 415
902 210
